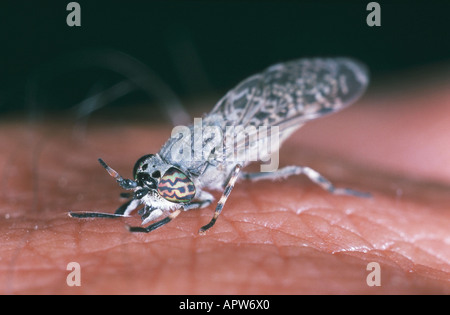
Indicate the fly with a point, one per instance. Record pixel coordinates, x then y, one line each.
280 99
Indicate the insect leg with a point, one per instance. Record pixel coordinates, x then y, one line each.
223 199
123 211
127 207
153 214
313 175
205 199
155 225
197 204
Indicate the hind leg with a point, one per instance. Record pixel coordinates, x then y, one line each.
313 175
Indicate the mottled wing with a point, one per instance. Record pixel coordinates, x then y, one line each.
288 94
285 95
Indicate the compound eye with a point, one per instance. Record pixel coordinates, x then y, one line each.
144 179
141 165
175 186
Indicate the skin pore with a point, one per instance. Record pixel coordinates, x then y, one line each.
284 237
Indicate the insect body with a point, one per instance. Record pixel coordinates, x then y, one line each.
284 96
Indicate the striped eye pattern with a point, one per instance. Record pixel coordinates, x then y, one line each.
175 186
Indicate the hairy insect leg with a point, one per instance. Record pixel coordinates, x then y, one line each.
85 215
127 207
123 211
223 199
313 175
153 214
154 226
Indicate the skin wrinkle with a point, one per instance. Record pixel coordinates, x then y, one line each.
12 265
404 239
261 243
338 249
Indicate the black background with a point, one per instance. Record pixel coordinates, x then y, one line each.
200 47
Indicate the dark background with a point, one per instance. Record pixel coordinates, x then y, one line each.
200 47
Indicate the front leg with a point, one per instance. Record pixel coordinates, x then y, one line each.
234 176
155 225
149 214
123 211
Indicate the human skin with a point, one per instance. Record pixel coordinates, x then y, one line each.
283 237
